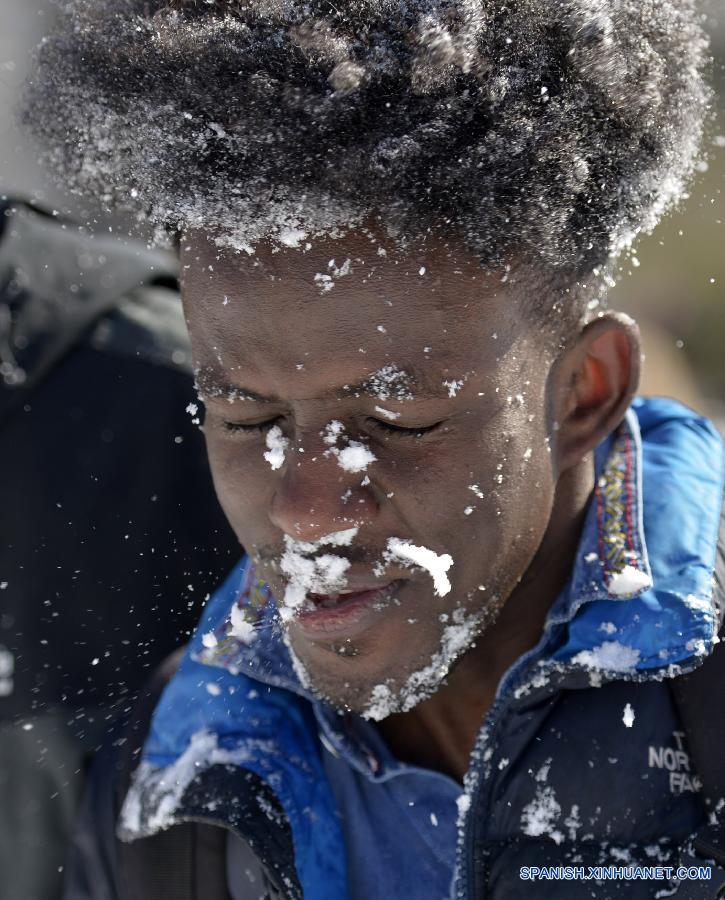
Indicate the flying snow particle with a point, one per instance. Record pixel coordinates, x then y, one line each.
628 716
7 663
209 640
241 629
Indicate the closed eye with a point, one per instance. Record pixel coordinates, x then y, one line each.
251 428
404 431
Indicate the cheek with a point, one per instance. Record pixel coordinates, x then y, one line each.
497 506
243 481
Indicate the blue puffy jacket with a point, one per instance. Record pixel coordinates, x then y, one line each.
561 786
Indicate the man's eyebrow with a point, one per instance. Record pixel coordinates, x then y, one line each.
387 383
208 385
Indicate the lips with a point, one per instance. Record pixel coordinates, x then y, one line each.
330 601
346 614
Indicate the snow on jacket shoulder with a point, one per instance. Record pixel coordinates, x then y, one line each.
582 762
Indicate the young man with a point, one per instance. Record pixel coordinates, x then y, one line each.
476 564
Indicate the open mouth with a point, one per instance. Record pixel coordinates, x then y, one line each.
333 601
345 613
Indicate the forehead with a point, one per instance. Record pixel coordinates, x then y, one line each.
356 305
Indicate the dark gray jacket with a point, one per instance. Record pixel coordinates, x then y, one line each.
107 507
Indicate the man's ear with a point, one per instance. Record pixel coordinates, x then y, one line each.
592 384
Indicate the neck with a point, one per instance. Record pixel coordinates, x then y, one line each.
440 732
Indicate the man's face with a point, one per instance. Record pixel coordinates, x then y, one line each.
398 398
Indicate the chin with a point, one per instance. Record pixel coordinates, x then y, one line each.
374 682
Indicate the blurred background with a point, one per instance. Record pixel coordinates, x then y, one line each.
676 292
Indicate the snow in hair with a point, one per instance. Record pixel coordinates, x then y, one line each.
555 129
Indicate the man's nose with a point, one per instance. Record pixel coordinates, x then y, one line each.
316 497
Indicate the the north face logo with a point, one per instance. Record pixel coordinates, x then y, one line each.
676 761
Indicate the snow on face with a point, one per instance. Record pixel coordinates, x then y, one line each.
391 383
276 446
333 431
386 699
439 459
326 280
436 564
306 574
387 413
454 385
354 457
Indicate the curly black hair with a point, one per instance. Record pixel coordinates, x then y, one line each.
552 129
